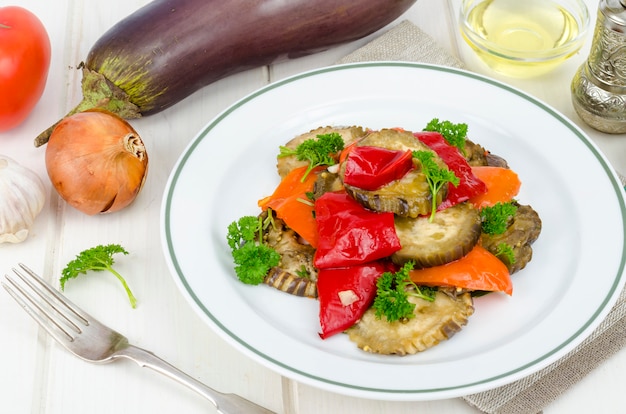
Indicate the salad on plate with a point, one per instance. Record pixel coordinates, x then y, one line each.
393 232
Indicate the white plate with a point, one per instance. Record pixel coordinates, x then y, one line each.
562 295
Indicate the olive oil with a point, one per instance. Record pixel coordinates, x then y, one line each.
522 38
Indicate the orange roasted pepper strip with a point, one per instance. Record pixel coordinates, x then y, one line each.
346 151
478 270
291 204
502 185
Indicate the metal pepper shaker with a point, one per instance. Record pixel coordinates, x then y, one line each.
599 86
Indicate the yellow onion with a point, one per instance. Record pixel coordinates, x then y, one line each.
96 161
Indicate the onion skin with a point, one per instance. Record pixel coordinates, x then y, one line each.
96 161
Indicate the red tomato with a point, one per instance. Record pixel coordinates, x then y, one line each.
24 64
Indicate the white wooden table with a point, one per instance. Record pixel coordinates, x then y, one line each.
37 376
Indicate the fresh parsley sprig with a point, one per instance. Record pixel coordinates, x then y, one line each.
505 252
242 231
97 258
392 294
317 151
436 176
253 259
454 134
495 219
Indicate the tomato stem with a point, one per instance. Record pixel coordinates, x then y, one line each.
4 26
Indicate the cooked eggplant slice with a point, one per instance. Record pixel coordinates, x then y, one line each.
409 196
494 160
326 182
452 233
393 139
286 164
295 273
290 283
475 154
521 233
433 322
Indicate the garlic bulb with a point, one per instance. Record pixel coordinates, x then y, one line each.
22 196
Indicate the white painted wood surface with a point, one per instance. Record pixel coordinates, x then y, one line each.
37 376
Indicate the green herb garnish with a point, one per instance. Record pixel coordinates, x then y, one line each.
393 291
253 259
495 219
436 176
317 151
455 134
97 259
504 252
303 272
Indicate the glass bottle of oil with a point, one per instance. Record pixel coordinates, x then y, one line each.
523 38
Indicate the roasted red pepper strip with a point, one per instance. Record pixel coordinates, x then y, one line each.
469 185
502 185
349 234
290 203
478 270
370 168
344 294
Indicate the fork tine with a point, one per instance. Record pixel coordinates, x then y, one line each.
46 300
36 311
71 307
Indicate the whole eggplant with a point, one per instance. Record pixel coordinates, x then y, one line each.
168 49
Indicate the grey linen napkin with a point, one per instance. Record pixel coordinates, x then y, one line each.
406 42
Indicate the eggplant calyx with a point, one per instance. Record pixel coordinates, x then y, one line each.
98 92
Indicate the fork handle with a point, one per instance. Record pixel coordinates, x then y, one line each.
225 403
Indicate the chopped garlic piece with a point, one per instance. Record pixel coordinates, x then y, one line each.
347 297
333 169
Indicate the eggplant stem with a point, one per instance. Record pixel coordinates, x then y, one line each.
100 93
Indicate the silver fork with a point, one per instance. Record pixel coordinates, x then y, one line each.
92 341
